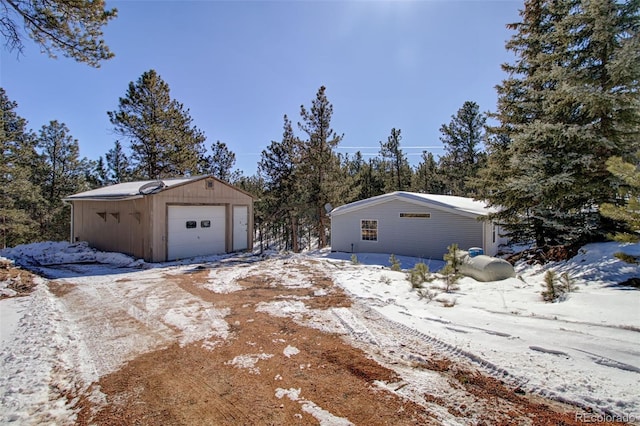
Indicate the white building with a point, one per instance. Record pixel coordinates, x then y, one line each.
413 224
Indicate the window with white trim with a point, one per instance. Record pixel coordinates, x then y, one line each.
369 230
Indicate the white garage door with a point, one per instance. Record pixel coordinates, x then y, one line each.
195 231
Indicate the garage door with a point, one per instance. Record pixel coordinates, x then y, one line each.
195 231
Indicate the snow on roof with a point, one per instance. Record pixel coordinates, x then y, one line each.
131 189
461 205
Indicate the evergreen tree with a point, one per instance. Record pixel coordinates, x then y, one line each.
19 196
627 209
71 27
163 141
220 163
99 175
575 84
118 166
279 166
62 173
427 178
362 180
320 165
462 139
398 171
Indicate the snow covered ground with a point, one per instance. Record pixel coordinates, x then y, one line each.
584 350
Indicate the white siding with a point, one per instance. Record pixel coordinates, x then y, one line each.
420 237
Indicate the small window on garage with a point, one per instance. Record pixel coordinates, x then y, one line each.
416 215
205 224
191 224
369 230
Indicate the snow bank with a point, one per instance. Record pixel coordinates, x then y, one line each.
582 350
58 253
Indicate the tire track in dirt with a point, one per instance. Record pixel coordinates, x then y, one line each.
195 385
275 369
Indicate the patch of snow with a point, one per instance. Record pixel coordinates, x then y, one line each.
289 351
324 417
11 310
197 323
58 253
248 361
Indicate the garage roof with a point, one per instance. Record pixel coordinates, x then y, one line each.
130 190
459 205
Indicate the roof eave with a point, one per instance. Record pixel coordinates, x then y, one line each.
105 198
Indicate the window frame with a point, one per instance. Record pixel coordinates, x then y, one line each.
372 233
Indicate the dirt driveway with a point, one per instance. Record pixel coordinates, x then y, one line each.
281 354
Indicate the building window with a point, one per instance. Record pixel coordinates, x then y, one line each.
191 224
369 230
416 215
205 224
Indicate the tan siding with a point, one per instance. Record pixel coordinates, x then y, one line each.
193 193
119 230
425 238
147 237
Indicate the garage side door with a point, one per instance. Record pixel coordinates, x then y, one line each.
195 231
240 227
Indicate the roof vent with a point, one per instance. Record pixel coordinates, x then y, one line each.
151 187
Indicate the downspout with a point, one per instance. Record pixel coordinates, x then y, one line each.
484 237
71 237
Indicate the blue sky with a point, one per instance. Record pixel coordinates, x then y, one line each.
239 66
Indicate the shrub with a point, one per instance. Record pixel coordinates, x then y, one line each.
556 289
550 294
354 259
627 258
566 284
395 263
427 294
451 257
451 269
419 275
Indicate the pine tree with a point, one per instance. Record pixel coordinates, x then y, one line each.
118 166
163 141
462 139
99 175
220 163
570 103
427 177
398 171
360 178
71 27
62 173
319 162
279 166
627 209
19 196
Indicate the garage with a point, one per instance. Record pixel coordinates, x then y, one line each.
195 231
168 219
